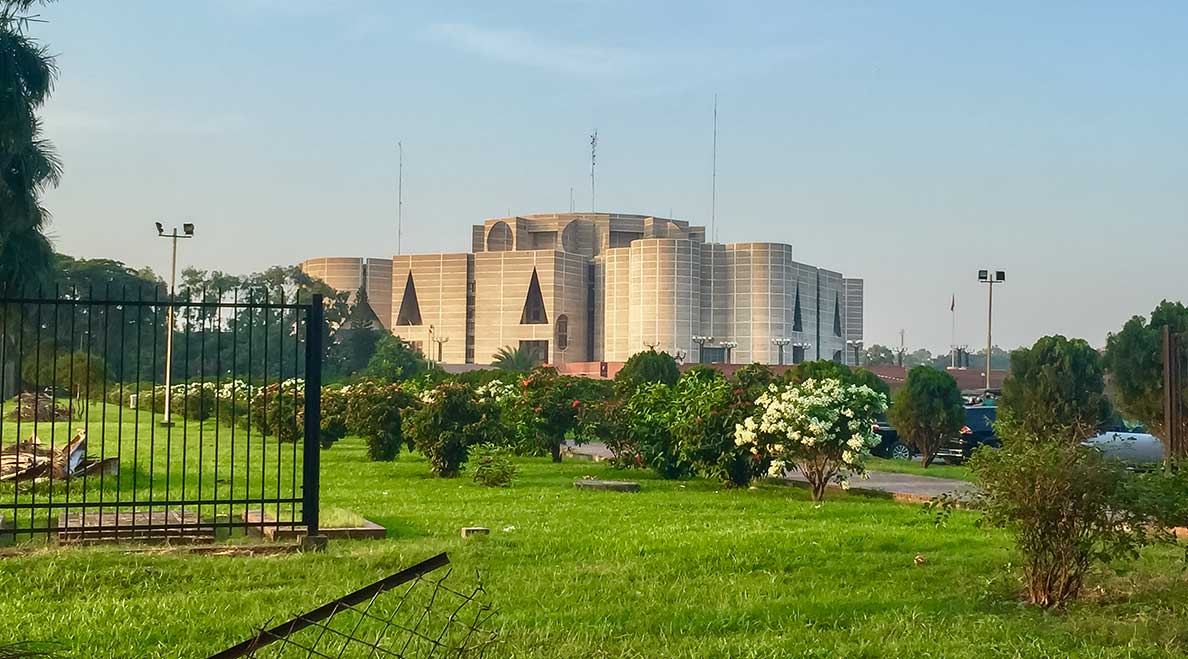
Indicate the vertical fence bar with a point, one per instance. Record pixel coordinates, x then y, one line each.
203 325
269 398
251 399
185 465
314 331
140 309
18 369
296 315
280 391
53 404
103 408
218 392
75 394
36 399
152 471
234 396
123 309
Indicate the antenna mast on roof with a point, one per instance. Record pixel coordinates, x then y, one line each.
714 180
399 193
593 156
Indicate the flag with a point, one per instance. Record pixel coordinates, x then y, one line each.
953 303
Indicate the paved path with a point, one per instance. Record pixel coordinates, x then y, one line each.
901 487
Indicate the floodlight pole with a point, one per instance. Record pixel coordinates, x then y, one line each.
168 419
990 277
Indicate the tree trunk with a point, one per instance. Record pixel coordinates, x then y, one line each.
555 450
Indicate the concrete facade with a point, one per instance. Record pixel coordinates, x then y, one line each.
600 287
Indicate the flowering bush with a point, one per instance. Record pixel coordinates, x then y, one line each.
334 415
706 407
554 401
821 427
373 411
447 421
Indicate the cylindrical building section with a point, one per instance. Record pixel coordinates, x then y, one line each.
613 275
764 300
342 273
665 296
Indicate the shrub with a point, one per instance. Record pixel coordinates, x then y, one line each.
334 416
493 467
448 420
373 411
605 421
822 427
553 401
927 411
648 415
705 410
644 367
1055 391
1069 508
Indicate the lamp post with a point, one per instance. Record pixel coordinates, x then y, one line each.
729 346
780 342
187 232
439 343
804 346
990 278
701 341
857 346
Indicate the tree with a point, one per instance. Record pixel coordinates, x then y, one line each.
515 360
1055 392
917 357
644 367
354 344
28 164
927 411
554 401
395 360
1134 358
878 355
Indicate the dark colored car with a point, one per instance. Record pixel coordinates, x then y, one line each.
978 430
890 446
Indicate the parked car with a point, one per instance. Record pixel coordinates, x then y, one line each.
890 447
1131 444
978 430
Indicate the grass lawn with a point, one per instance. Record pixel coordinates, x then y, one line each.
936 469
682 569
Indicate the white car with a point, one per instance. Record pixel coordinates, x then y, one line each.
1133 446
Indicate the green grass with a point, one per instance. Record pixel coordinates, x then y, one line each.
682 569
936 469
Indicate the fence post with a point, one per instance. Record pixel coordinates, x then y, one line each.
315 331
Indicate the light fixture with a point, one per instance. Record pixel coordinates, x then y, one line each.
160 229
188 228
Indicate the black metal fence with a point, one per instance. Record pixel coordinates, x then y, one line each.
130 415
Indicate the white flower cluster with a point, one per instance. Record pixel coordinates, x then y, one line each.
496 391
814 420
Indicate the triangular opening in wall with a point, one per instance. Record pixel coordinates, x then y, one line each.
837 328
797 321
534 307
410 309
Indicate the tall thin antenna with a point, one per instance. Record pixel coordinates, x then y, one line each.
593 157
714 180
399 195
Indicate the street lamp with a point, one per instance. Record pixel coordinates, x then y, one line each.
729 345
804 346
856 344
701 341
780 343
187 232
990 278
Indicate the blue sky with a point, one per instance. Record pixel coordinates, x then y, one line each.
906 143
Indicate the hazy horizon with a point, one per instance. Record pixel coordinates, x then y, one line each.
906 145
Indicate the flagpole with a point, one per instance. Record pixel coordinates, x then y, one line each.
953 331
